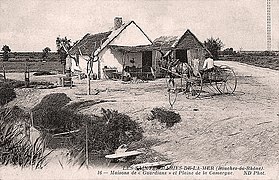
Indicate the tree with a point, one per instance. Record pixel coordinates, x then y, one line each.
46 51
229 51
214 45
63 46
6 50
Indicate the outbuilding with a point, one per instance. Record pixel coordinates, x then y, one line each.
185 47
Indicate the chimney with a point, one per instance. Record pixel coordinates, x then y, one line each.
117 22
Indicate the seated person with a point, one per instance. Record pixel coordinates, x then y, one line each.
126 74
208 63
208 66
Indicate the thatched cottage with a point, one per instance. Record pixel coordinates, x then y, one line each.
126 44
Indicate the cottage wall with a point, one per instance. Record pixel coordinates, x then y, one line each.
115 59
81 66
131 36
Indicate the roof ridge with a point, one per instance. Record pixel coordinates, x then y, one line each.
116 34
113 33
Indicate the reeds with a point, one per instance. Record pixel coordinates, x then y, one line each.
16 148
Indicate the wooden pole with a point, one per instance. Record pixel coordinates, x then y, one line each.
64 133
32 152
71 80
4 72
86 147
88 84
63 70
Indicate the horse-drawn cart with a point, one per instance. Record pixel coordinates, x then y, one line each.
183 78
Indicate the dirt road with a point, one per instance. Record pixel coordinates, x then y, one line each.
239 129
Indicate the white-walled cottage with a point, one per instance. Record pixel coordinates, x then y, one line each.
124 45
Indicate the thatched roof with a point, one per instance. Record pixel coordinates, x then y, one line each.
89 43
186 41
93 44
165 41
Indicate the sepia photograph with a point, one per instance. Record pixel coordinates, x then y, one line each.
139 89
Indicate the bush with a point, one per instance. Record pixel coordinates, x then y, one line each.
55 120
55 100
107 132
13 83
7 94
48 114
165 116
42 73
20 84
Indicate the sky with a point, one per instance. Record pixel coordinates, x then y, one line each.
31 25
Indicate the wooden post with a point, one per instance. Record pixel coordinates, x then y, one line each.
32 124
88 83
86 146
99 69
155 63
63 70
27 75
4 71
62 81
71 80
32 120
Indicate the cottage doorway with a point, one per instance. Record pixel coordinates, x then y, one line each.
181 54
146 61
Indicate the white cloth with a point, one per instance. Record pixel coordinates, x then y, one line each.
208 64
196 63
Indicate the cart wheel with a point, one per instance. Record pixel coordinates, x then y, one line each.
193 86
172 91
228 81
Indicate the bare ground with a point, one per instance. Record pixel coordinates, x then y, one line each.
239 129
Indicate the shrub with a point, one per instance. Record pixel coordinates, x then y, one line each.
42 73
49 115
7 94
107 132
55 100
165 116
19 84
13 83
55 120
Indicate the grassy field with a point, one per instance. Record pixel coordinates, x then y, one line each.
271 62
33 66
